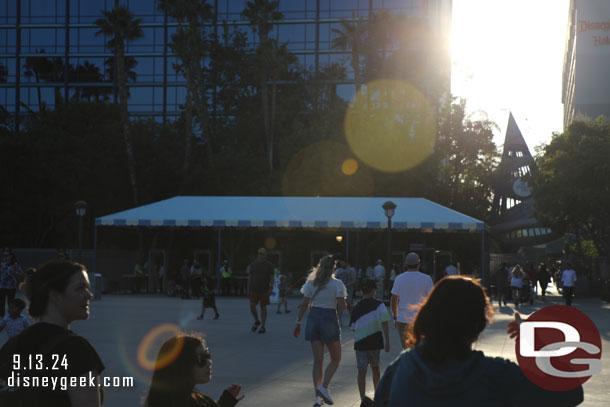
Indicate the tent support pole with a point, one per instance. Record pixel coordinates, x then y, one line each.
218 261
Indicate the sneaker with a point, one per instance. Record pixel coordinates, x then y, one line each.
200 317
287 311
317 401
278 312
323 392
367 402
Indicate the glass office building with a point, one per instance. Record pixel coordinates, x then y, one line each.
63 32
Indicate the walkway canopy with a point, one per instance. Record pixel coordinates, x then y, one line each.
292 212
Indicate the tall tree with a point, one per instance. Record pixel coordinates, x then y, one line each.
35 67
192 47
467 158
262 14
351 36
89 73
571 187
120 25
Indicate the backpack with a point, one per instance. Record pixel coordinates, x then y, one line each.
12 396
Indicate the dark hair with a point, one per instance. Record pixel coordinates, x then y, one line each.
172 383
451 318
367 285
54 275
17 302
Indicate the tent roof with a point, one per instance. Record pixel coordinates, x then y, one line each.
291 212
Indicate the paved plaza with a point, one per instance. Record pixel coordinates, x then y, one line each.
274 368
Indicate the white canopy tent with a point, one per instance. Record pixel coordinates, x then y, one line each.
293 212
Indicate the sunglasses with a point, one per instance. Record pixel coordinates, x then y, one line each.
201 359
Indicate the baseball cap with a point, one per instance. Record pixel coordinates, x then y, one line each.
262 251
412 259
379 261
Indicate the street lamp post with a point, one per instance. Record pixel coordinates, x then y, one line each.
388 207
81 210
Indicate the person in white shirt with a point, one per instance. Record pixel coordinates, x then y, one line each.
323 292
568 278
516 283
410 288
379 276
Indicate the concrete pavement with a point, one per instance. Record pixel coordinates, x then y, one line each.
274 368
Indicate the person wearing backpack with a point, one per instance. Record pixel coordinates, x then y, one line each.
59 295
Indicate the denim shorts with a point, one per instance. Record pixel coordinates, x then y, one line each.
322 325
367 357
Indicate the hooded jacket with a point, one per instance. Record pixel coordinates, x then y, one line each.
477 380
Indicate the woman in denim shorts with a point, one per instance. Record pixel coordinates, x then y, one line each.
323 292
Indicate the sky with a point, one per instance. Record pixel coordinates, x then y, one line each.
508 56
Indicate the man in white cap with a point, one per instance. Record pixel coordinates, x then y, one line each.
410 288
379 276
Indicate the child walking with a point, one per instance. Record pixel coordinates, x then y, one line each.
369 319
282 295
209 298
15 321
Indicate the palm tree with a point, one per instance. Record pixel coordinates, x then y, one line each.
35 67
90 73
351 36
121 26
262 14
189 44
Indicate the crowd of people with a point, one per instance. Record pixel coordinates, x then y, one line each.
515 284
436 325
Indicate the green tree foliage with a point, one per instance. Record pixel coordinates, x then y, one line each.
571 186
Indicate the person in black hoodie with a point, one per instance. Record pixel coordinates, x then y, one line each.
441 369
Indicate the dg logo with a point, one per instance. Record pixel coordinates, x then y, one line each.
559 348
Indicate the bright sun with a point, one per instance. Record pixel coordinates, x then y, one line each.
508 55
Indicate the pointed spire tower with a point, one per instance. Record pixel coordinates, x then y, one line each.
512 213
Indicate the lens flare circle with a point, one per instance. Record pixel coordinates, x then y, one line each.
270 243
323 169
148 361
390 126
349 166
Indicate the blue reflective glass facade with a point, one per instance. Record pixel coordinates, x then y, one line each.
63 31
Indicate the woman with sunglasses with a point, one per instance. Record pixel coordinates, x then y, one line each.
183 362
